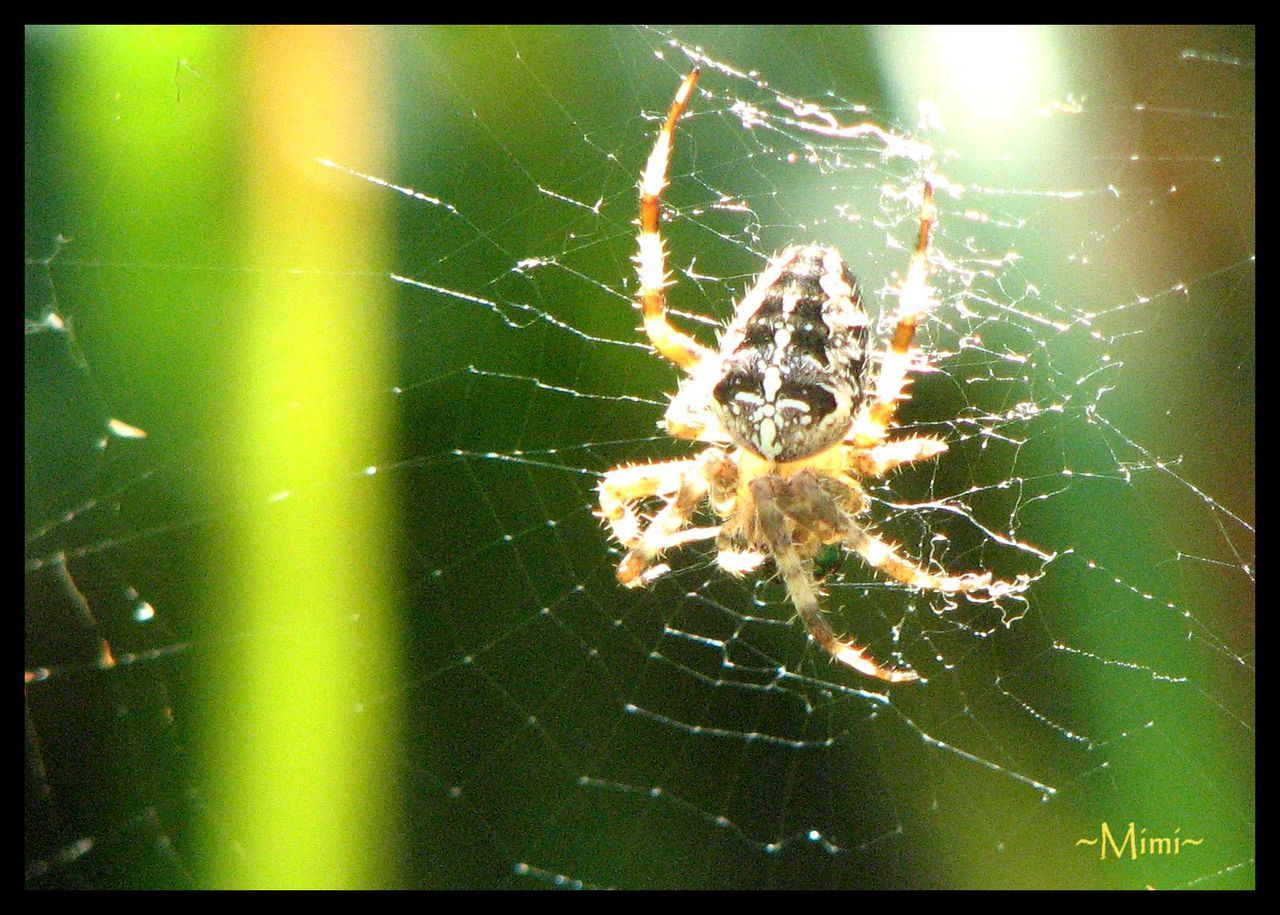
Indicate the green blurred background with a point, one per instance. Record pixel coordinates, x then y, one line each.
304 633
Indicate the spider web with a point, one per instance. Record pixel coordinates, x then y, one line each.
1091 368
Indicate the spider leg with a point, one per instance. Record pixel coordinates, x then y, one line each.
878 460
802 589
915 297
739 562
812 503
734 554
651 260
683 485
880 555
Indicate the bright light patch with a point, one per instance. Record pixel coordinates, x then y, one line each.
121 429
982 84
991 70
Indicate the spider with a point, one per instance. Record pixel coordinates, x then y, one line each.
793 421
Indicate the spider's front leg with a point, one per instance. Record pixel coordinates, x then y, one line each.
765 492
682 485
651 258
915 299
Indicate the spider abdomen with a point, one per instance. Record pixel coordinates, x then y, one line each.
793 360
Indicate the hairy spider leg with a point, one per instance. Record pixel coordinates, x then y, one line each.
682 485
806 500
802 589
915 296
651 260
878 460
782 511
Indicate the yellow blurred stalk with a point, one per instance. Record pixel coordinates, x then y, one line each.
307 761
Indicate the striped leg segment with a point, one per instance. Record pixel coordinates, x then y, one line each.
651 260
915 297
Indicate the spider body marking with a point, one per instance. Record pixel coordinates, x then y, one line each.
793 416
793 362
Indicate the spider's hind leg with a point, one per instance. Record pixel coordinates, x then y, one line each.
809 495
801 587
